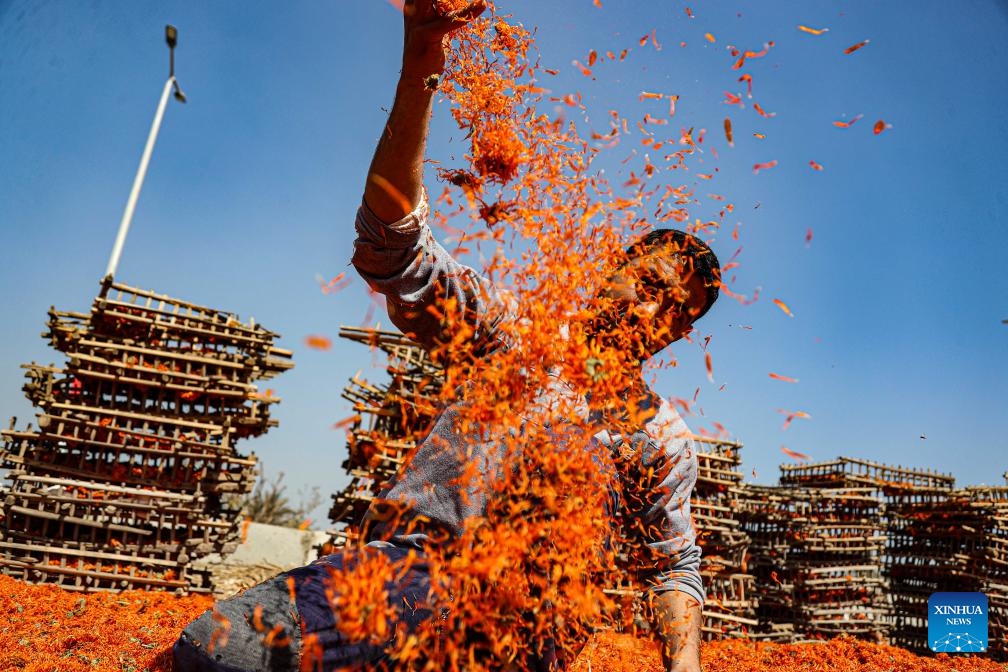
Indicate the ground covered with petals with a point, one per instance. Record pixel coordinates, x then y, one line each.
45 628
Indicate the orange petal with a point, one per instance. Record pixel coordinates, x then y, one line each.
732 99
747 78
783 306
318 342
854 47
845 124
793 453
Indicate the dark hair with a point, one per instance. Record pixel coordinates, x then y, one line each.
705 262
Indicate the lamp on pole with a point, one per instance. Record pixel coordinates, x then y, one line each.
171 37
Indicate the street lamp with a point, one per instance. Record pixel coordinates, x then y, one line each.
171 37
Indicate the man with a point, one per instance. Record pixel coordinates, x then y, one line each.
668 281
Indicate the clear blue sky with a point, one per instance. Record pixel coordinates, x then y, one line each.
897 337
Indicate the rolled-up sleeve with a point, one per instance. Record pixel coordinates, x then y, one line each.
430 296
679 555
659 472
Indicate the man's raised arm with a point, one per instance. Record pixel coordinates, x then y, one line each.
445 306
395 179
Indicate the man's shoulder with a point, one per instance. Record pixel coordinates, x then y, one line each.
668 426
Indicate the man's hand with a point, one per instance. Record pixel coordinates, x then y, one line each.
425 31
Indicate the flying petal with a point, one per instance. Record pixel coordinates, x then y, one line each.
854 47
794 454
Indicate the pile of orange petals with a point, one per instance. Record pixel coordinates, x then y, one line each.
45 628
617 653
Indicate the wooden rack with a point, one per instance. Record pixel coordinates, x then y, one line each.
132 472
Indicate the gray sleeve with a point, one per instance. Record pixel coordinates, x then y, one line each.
658 478
422 283
677 550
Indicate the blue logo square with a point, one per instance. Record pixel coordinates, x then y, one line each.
957 622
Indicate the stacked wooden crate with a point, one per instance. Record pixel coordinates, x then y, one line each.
986 560
388 420
132 471
919 552
817 554
730 609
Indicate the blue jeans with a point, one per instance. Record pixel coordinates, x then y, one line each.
249 619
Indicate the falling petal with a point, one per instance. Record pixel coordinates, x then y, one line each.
813 31
747 78
794 454
710 367
763 166
816 166
653 36
880 126
334 285
762 113
347 422
791 415
854 47
808 237
728 132
783 306
785 379
709 37
845 124
318 342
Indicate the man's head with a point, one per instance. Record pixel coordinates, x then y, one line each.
668 281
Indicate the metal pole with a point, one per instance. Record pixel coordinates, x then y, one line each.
138 182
